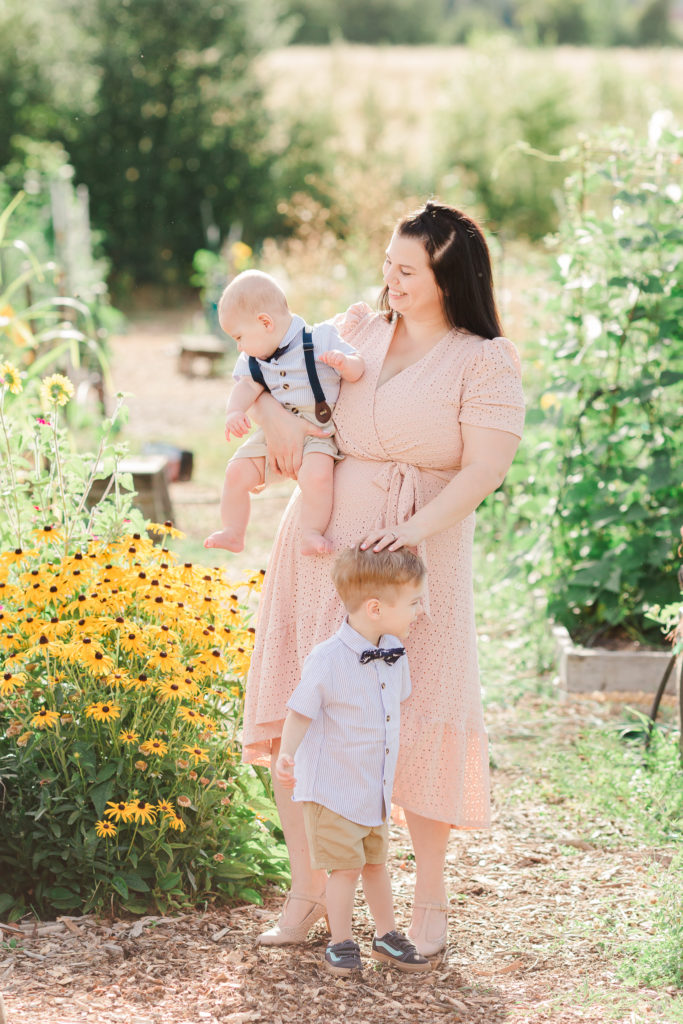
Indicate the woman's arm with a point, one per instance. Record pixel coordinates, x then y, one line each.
486 458
285 433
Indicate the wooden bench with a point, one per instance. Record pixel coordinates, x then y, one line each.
149 483
200 355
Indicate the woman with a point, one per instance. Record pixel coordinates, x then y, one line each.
428 432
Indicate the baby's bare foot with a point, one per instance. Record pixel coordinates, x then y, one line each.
229 540
313 543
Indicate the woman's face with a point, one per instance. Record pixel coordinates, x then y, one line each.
412 288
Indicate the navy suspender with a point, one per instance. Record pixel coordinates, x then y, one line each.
323 413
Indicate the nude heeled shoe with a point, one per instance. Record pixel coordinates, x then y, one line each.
288 935
427 946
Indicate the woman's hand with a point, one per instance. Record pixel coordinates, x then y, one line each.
402 535
285 434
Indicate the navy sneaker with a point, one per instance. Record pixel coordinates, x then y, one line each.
343 957
397 949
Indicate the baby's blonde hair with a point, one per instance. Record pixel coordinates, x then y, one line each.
253 292
361 574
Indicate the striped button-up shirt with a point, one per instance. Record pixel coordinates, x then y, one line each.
347 758
285 372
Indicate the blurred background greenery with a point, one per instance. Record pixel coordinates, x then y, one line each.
193 124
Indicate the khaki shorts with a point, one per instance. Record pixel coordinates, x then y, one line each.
337 844
255 445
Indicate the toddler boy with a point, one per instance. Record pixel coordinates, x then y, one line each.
343 726
302 370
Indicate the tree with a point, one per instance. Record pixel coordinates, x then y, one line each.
174 136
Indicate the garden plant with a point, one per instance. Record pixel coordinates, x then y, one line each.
120 673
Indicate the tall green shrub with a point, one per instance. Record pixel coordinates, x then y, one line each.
616 388
175 138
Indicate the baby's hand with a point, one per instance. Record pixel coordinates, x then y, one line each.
284 771
238 424
334 358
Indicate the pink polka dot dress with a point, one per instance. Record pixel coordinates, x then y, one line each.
402 444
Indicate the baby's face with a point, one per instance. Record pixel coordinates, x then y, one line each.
253 333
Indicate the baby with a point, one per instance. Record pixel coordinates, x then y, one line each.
301 368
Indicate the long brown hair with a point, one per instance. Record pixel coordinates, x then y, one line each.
461 263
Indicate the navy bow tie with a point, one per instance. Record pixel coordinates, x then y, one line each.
388 654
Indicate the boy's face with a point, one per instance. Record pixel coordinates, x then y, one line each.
400 608
253 333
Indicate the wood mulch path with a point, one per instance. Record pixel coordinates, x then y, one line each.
527 935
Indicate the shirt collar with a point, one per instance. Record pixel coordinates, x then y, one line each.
349 636
296 326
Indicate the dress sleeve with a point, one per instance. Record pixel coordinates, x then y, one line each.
348 323
492 388
309 696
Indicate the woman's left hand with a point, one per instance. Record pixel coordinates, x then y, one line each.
401 535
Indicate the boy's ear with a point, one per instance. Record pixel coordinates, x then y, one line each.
372 607
267 320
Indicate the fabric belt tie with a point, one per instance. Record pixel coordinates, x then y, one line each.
405 495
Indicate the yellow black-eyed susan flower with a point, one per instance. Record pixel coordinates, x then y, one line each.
166 529
133 642
143 811
46 533
105 829
10 378
171 689
165 807
56 390
119 810
103 711
155 746
11 681
128 736
190 715
175 822
45 719
196 754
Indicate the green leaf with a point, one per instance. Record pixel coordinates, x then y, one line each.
101 794
251 896
119 884
135 881
6 901
170 881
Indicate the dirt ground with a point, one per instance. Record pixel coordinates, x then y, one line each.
529 900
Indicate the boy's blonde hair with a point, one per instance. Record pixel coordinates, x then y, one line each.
361 574
253 292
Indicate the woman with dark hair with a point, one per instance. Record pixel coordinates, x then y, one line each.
428 432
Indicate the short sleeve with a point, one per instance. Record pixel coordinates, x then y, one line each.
348 323
241 367
309 696
492 388
326 337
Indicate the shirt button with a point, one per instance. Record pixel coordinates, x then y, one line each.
387 750
286 387
283 373
384 686
388 718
